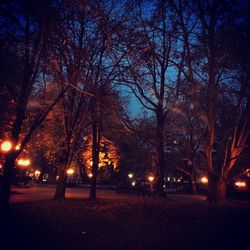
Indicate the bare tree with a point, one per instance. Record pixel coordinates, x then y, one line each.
210 71
151 77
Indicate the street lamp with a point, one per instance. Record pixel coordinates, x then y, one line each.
240 184
6 146
204 180
37 174
17 147
130 175
70 171
23 162
151 178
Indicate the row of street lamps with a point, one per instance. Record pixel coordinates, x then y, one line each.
7 146
151 178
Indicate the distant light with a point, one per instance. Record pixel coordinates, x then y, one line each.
27 162
1 166
37 172
240 184
151 178
204 180
17 146
90 175
23 162
70 171
6 146
133 183
130 175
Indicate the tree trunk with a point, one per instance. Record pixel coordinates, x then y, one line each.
7 178
222 189
62 176
61 183
212 178
95 160
193 185
212 188
10 158
160 162
96 136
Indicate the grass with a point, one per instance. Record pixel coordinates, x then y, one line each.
127 222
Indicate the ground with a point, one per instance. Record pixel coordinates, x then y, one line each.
128 222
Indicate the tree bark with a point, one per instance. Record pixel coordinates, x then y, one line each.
193 185
10 158
7 178
212 178
160 162
61 183
62 176
222 189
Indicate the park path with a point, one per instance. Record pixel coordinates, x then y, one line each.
46 192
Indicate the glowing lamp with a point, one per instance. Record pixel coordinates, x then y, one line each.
151 178
23 162
130 175
37 172
6 146
90 175
70 171
204 180
240 184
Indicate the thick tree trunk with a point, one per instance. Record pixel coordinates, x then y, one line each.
160 162
62 176
7 177
212 178
222 189
10 158
212 188
61 183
